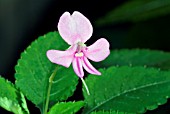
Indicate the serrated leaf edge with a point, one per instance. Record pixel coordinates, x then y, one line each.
23 104
58 103
110 112
21 58
141 87
10 105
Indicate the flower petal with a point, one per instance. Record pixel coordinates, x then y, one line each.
88 67
77 66
74 28
98 51
63 58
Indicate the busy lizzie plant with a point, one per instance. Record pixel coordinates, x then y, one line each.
114 81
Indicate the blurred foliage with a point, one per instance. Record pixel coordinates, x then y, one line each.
146 32
136 10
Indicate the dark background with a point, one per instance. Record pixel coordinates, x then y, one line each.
21 22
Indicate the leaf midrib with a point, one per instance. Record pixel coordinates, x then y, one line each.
125 92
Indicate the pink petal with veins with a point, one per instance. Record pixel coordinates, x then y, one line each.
77 66
63 58
88 67
98 51
74 28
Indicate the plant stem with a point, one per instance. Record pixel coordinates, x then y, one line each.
49 90
84 83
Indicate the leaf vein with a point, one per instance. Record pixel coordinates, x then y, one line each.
130 90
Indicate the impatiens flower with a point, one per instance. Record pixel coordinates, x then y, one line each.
76 29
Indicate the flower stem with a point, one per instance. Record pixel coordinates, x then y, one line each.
84 83
49 90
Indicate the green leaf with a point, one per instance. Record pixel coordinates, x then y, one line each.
136 10
34 70
66 107
11 99
109 112
137 57
127 89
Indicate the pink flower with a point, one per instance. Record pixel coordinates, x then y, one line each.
76 29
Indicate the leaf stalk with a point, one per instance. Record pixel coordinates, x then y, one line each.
49 90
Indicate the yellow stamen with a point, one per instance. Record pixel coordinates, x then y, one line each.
79 54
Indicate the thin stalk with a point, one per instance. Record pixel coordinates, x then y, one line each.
84 83
49 90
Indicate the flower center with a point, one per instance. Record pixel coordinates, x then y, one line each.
81 46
